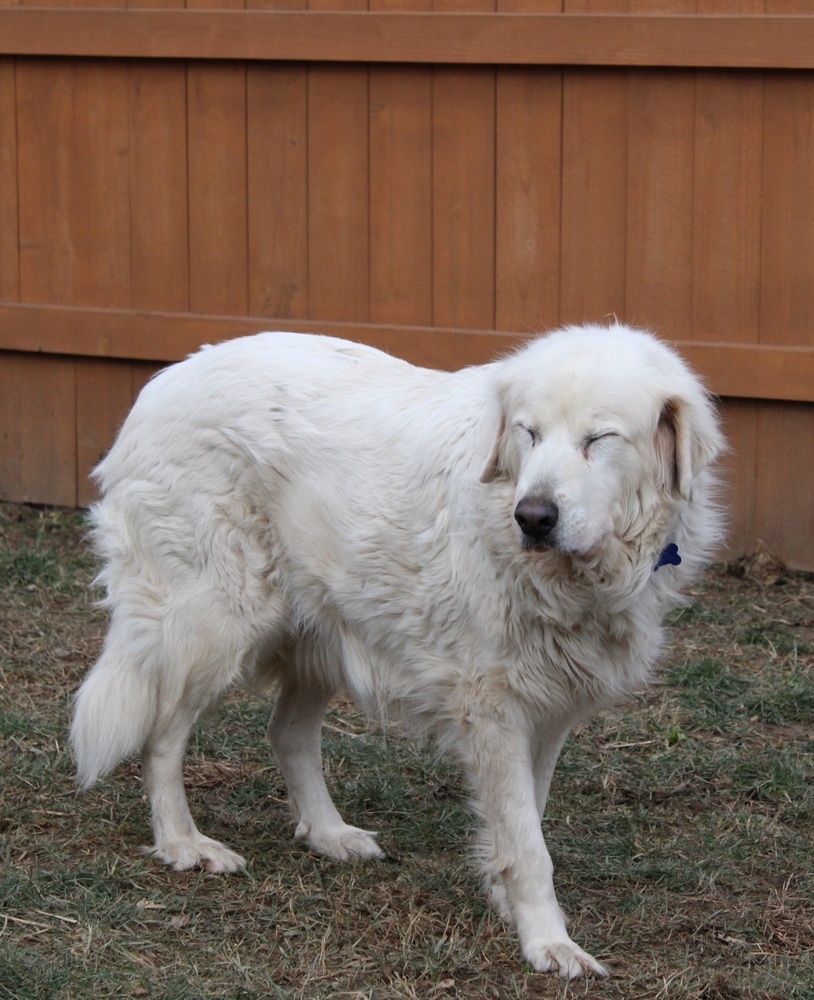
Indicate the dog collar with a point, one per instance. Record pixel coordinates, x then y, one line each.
669 556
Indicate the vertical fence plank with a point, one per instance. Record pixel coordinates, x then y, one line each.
787 225
660 193
278 191
45 152
401 187
785 474
464 197
338 193
218 237
159 206
100 184
595 137
401 195
9 222
37 429
529 195
528 210
737 472
338 186
727 214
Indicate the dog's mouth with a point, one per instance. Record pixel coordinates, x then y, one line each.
529 545
551 547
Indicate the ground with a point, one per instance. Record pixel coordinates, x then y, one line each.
681 826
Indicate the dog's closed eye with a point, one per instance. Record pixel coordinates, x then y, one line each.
533 434
594 439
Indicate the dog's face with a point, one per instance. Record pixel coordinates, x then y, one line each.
570 467
597 427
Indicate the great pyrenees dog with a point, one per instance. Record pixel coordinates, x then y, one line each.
489 553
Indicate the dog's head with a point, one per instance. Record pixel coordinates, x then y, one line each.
598 426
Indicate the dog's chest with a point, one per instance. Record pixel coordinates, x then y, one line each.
571 648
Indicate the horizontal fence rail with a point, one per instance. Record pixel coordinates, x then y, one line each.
747 371
694 41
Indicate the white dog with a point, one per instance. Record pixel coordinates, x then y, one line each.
489 552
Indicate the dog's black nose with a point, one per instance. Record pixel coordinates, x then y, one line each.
536 518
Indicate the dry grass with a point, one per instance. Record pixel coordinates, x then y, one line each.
681 826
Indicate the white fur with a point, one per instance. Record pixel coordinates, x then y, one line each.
311 512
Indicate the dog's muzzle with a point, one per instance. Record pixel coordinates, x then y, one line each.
537 518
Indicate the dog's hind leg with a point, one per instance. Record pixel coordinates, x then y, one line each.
178 842
295 733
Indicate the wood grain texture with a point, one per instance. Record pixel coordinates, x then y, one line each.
401 195
73 182
278 190
338 193
159 189
784 513
9 197
578 39
401 244
746 371
727 207
660 185
594 195
104 395
738 472
218 197
787 217
529 199
37 429
463 197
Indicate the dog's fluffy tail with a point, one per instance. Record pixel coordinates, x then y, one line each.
115 712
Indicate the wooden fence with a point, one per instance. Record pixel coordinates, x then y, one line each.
437 178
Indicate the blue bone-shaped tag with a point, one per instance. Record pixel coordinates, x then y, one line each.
669 556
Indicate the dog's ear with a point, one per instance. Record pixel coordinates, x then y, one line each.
494 467
687 439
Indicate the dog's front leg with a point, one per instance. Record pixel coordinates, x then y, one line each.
518 866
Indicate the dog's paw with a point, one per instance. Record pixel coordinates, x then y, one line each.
345 843
197 852
565 958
